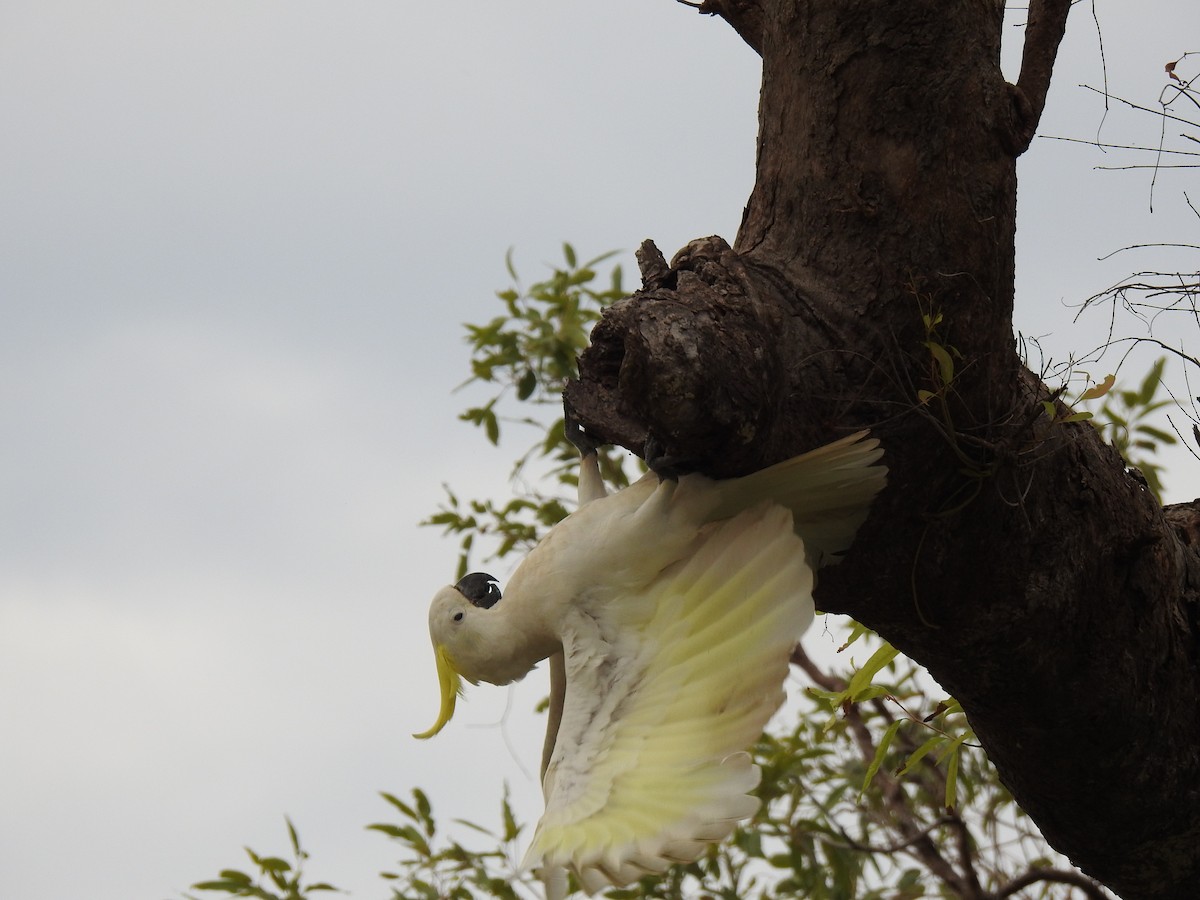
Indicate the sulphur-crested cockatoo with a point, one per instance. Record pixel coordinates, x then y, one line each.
669 611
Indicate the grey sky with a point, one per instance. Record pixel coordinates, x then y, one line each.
237 244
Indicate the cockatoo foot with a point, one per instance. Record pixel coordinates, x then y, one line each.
584 442
666 467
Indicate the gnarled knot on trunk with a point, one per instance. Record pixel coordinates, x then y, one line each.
689 362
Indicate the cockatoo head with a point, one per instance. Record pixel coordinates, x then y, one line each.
458 625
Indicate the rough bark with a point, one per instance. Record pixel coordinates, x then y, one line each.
1011 554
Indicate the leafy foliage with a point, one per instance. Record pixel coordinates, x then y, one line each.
432 868
872 784
1125 419
276 878
527 354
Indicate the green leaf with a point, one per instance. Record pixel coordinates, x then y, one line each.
274 864
230 887
511 828
833 698
1150 383
406 833
293 838
911 878
424 808
390 830
871 692
880 752
921 752
855 633
861 679
1110 414
478 828
955 744
952 781
399 804
615 289
1158 434
527 385
944 362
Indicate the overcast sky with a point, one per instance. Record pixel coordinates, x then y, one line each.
237 244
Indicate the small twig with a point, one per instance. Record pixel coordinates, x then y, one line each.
1143 246
1154 166
1059 876
1106 146
1146 109
896 847
1164 346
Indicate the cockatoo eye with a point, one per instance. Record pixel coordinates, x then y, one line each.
458 617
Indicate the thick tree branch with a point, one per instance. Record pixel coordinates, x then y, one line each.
1045 26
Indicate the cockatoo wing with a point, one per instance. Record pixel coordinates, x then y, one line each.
665 691
829 491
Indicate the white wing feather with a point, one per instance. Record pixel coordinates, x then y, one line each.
665 690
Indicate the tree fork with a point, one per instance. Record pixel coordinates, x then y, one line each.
871 285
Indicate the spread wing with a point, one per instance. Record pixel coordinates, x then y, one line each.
665 691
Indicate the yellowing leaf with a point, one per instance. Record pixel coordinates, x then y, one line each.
944 362
1097 391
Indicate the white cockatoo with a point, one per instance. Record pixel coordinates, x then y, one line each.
669 611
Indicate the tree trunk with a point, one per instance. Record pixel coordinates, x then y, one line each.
871 285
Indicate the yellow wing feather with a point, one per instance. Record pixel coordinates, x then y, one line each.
828 490
665 691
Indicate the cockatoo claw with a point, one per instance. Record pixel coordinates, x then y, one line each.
665 466
573 429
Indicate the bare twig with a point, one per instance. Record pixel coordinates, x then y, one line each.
1146 109
1154 166
1106 146
1142 246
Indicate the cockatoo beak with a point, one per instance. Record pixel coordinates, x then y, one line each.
451 686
